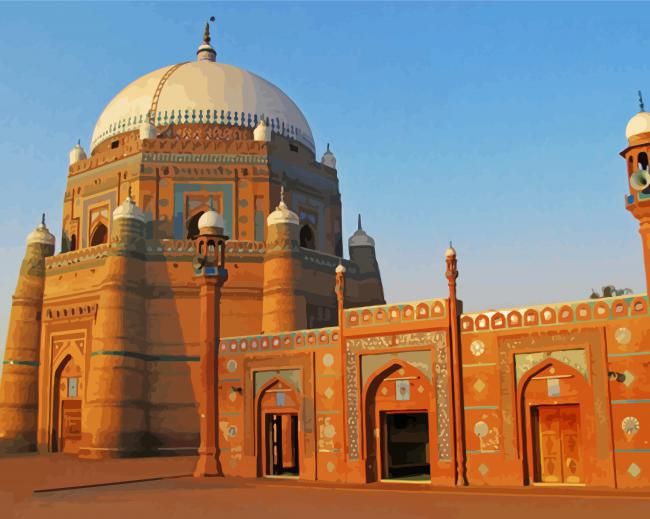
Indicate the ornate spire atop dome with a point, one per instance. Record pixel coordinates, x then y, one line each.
360 238
206 52
41 234
641 106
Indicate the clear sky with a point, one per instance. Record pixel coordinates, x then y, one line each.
496 125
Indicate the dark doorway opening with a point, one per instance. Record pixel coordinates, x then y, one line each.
405 446
281 445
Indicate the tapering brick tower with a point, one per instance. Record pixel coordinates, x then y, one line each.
283 307
19 384
114 415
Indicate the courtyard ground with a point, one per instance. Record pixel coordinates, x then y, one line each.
59 486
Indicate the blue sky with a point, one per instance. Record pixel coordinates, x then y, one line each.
496 125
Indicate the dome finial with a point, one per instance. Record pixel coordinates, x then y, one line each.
128 194
43 219
211 204
359 222
641 106
282 194
206 52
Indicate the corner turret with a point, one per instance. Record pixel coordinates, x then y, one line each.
362 253
19 383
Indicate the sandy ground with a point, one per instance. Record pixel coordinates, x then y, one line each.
173 495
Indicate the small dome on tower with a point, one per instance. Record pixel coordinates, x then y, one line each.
340 269
640 123
41 234
262 132
360 238
77 153
147 130
450 251
282 213
128 209
328 158
211 220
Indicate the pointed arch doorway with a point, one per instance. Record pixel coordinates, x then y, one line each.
556 409
279 435
66 407
397 425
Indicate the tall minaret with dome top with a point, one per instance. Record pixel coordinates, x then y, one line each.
636 156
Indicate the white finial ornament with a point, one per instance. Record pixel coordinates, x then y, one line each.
206 52
262 132
450 251
340 269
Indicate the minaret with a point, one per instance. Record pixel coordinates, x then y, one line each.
636 157
456 364
283 309
205 51
114 416
362 253
211 274
19 383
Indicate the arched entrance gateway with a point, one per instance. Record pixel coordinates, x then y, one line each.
279 439
398 424
556 425
65 428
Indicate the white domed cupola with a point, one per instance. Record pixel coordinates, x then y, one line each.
329 159
77 153
282 213
639 123
211 222
262 132
128 209
360 238
41 234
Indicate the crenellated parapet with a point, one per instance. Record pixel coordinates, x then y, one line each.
269 343
432 310
575 312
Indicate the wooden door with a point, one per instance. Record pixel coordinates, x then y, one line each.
558 452
70 425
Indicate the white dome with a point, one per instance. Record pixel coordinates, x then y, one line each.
41 235
282 214
128 209
640 123
450 251
202 92
328 158
77 153
211 219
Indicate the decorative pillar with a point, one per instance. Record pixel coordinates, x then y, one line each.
19 384
339 289
209 267
456 368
